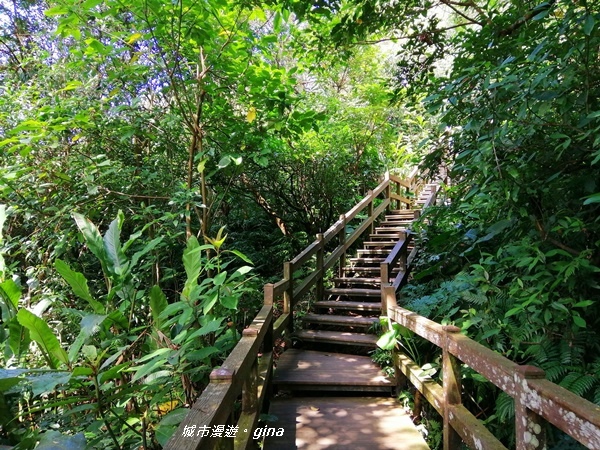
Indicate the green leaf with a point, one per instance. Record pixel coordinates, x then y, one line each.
112 246
211 327
595 198
158 303
56 11
241 256
588 25
10 293
79 284
92 237
230 301
220 278
388 340
53 440
42 334
46 383
578 320
18 338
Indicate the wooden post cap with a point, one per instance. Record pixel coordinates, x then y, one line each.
249 332
221 375
531 372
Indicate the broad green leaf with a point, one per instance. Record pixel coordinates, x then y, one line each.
53 440
79 284
56 11
10 293
112 246
203 353
90 323
579 321
43 336
92 237
595 198
46 383
241 256
230 301
388 340
588 25
211 327
18 338
152 365
220 278
192 263
158 303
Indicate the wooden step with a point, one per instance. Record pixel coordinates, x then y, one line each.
352 292
380 244
388 236
366 260
373 252
330 423
348 305
337 337
332 319
314 370
357 280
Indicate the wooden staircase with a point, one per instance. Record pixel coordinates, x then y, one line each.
350 310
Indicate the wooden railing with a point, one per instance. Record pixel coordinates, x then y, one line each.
213 421
536 399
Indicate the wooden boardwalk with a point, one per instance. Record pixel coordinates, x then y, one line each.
329 423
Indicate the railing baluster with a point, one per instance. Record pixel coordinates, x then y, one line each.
288 295
530 429
319 267
370 213
452 390
342 244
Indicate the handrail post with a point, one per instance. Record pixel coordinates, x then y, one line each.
384 271
342 244
399 193
319 288
268 301
388 190
403 261
288 295
370 213
452 389
530 429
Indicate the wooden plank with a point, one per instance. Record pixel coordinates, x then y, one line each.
328 368
332 319
425 384
471 430
338 423
353 292
280 325
338 337
349 305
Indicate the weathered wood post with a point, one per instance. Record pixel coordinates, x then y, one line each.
452 389
403 260
288 295
388 189
370 213
530 431
342 242
319 268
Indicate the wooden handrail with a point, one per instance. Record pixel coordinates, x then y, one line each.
535 397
